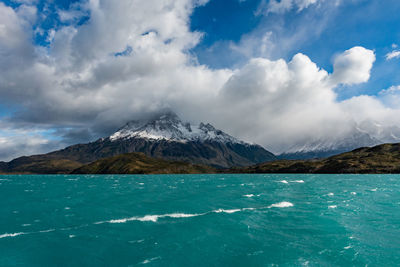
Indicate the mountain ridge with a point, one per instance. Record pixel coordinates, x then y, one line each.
383 158
139 163
164 136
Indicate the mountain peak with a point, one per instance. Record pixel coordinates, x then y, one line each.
168 126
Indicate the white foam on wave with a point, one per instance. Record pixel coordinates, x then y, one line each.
295 181
11 234
156 217
283 204
152 218
47 231
332 207
227 211
150 260
353 193
331 194
249 195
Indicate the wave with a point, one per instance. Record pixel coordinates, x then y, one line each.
227 211
12 234
283 204
154 218
295 181
150 260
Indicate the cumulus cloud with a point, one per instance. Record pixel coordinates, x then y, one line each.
353 66
391 96
393 54
85 84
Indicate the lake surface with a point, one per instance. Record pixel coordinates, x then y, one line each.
200 220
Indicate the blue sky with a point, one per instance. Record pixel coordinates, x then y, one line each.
371 24
74 71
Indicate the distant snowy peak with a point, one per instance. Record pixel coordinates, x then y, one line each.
355 140
168 126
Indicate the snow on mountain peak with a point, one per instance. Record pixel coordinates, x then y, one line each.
168 126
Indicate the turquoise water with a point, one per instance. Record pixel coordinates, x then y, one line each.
200 220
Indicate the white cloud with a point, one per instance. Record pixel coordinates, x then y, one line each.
79 83
391 96
353 66
392 55
17 142
282 6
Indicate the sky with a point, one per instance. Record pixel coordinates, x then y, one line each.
277 73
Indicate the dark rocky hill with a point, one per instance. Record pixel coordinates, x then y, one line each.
379 159
165 136
138 163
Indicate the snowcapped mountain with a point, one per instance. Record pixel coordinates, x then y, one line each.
383 133
365 134
169 127
164 136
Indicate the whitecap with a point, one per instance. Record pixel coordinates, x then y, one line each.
118 220
12 234
227 211
298 181
26 224
136 241
249 195
67 208
47 231
181 215
150 260
374 189
156 217
331 194
71 236
284 182
149 218
152 218
347 247
353 193
332 207
283 204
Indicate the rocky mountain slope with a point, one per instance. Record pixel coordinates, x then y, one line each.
164 136
138 163
379 159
